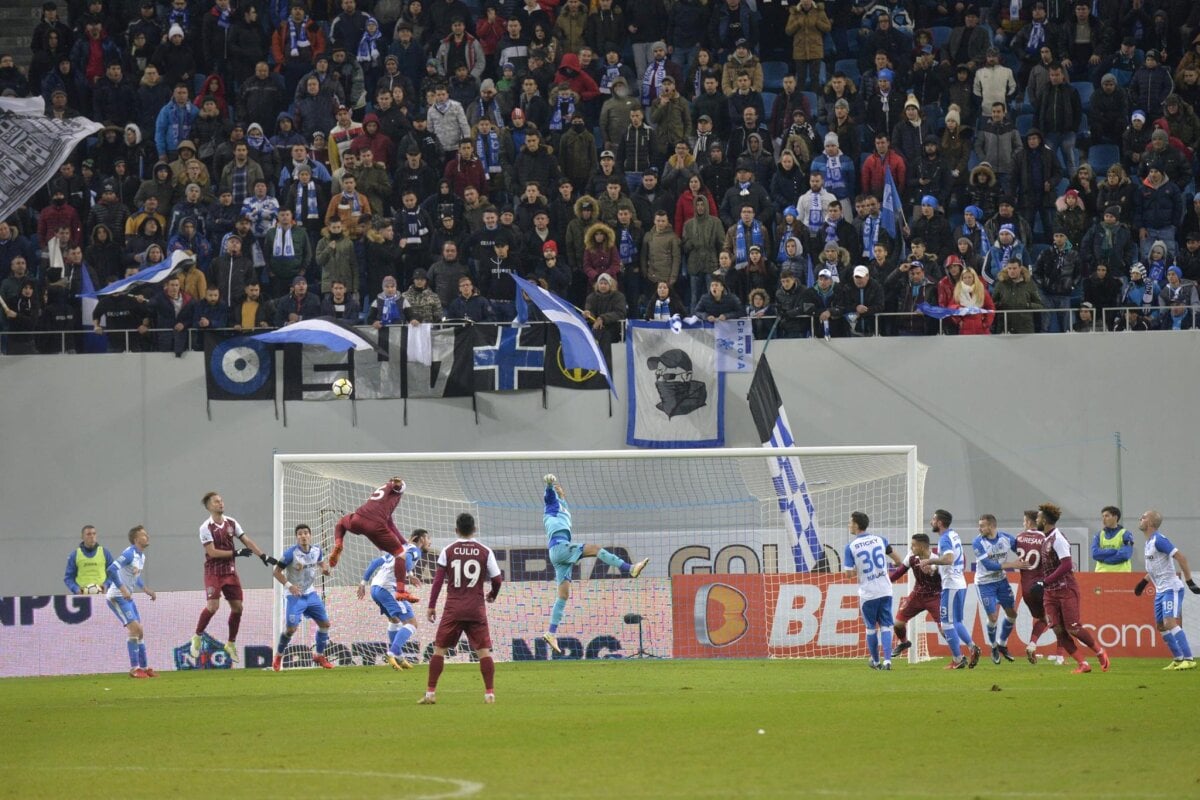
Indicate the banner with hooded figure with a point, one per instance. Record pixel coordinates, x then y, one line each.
676 396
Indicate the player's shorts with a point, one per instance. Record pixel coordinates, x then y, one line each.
996 593
227 586
1062 607
564 556
306 605
1168 604
915 603
126 610
1035 604
381 536
950 610
389 606
450 631
877 612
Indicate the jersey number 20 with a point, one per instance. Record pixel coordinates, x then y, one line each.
1030 557
465 569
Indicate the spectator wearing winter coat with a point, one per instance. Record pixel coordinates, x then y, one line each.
1151 83
1057 273
535 163
997 143
421 303
1015 291
1109 112
703 237
1035 175
1059 115
174 122
718 303
1005 248
660 252
906 288
873 170
469 303
1109 242
1157 209
336 258
606 309
1103 291
171 312
970 293
807 24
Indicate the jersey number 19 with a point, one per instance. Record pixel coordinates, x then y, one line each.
468 570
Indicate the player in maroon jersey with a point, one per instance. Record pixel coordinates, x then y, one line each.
1061 597
1030 544
462 566
218 534
926 595
373 519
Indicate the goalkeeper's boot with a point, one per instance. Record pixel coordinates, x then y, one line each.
995 654
138 673
336 555
1185 665
1104 662
197 643
901 648
231 651
149 672
1031 655
957 663
552 641
1003 648
399 663
321 661
428 700
637 568
406 595
489 697
1083 668
975 653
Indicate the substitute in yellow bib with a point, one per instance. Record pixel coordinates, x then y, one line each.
87 565
1112 546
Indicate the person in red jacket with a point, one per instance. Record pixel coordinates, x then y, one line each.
570 71
465 169
970 293
374 139
873 167
58 214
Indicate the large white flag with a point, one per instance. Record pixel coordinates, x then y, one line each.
34 146
676 395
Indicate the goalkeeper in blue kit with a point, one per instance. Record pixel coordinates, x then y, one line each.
564 553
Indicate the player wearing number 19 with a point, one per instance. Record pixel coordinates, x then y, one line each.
461 567
950 564
1161 558
867 555
296 572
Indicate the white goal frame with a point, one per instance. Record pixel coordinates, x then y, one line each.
281 539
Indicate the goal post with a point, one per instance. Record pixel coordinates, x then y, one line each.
724 579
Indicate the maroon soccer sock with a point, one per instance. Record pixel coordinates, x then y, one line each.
487 667
436 664
1086 639
205 617
1039 627
400 565
235 622
339 532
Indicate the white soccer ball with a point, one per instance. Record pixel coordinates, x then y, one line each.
550 479
342 388
91 588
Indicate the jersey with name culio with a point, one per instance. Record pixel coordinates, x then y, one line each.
221 536
301 567
468 564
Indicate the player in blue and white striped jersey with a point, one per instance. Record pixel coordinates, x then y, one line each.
381 576
992 549
950 564
867 554
1161 558
125 574
297 572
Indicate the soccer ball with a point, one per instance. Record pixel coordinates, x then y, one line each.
342 388
91 588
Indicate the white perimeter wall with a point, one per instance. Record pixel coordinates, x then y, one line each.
1003 423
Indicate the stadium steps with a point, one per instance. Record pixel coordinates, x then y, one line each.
18 18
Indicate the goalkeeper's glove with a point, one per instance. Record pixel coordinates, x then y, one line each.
1141 587
245 551
1192 585
269 560
550 479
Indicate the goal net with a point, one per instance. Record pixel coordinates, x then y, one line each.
745 561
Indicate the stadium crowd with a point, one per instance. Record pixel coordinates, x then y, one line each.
389 160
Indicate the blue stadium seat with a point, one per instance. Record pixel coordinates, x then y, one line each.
1085 90
941 35
768 103
848 67
773 72
1024 123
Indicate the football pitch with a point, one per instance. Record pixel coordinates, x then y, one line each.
610 729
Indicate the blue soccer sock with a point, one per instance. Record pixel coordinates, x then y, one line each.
886 638
141 654
284 638
132 646
951 635
614 561
991 634
1006 626
392 629
873 645
1181 642
964 635
556 614
402 636
322 641
1169 640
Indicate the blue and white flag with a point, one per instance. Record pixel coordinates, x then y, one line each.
734 339
941 312
579 347
676 395
320 332
93 342
153 275
791 490
891 211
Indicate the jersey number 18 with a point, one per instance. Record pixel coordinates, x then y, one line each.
470 570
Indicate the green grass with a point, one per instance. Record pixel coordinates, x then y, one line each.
610 729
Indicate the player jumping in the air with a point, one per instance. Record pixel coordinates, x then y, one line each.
926 595
564 554
462 566
950 563
373 519
1062 592
217 534
992 548
1029 546
381 576
865 554
125 574
297 571
1161 557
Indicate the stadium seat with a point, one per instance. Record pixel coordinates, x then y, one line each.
773 72
941 35
1085 90
849 68
1024 123
1102 156
769 103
